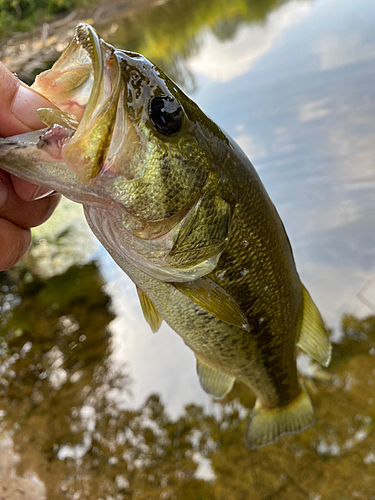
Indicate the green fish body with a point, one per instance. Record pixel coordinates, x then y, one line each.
183 212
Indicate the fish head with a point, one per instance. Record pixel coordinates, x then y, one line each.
132 129
125 139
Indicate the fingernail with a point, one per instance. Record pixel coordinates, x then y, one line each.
41 192
3 193
25 104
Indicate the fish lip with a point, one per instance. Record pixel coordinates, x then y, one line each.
87 37
53 82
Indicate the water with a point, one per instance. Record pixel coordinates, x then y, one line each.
98 407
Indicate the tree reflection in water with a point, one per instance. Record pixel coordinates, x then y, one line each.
58 398
59 393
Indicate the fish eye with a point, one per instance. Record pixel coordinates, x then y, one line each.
166 114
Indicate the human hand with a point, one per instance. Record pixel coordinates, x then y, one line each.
22 205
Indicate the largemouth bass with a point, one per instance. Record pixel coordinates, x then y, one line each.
183 212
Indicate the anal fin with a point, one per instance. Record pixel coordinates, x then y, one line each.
216 383
267 424
313 338
150 313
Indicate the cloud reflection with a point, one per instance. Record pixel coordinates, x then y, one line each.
252 146
315 110
337 52
223 61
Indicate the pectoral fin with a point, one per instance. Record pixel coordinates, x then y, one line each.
215 300
202 235
313 338
150 313
216 383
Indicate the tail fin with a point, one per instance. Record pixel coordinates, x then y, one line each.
267 424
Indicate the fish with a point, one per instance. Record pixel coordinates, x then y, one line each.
181 209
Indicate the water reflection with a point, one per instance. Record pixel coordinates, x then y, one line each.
97 406
223 62
156 34
63 411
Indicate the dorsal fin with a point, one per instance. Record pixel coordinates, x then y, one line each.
313 338
215 300
150 313
216 383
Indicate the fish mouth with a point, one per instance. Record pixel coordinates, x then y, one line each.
84 84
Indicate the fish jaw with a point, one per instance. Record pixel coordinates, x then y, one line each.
86 85
19 155
85 82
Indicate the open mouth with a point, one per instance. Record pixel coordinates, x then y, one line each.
84 84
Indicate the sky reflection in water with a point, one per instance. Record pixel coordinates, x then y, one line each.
296 92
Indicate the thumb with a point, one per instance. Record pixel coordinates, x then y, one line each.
18 105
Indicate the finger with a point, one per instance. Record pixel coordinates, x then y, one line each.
18 115
18 105
23 213
28 191
14 241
